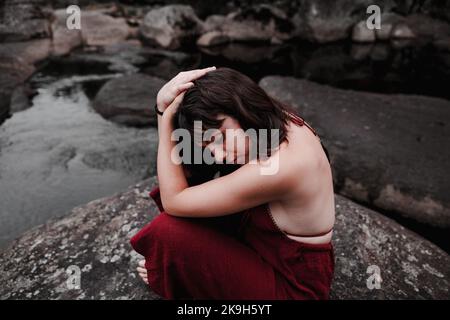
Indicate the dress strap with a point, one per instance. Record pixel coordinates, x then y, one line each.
310 236
267 206
300 121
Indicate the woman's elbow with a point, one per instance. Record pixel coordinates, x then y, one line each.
173 209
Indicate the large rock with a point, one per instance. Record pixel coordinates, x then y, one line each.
129 99
63 39
24 20
213 38
387 150
427 28
402 31
261 22
127 57
94 240
388 22
99 29
17 61
324 21
365 241
363 34
13 71
30 52
170 26
21 98
121 57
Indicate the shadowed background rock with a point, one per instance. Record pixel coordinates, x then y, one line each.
387 150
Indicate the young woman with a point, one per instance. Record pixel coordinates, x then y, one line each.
253 233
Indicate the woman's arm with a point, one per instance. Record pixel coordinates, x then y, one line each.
248 186
244 188
171 176
165 98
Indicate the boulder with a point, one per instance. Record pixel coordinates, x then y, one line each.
63 39
21 98
258 23
121 57
128 57
367 242
92 241
388 22
170 27
24 20
426 27
212 38
13 71
99 29
363 34
323 21
406 133
30 52
402 31
17 61
214 22
129 100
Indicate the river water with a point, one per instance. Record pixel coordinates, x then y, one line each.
60 153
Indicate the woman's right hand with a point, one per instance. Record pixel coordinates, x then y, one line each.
182 81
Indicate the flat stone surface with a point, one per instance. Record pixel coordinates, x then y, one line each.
95 238
387 150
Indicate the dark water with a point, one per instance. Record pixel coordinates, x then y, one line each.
60 153
383 68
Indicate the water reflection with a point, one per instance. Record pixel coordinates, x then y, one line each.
60 153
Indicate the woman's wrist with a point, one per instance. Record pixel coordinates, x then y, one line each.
168 114
158 109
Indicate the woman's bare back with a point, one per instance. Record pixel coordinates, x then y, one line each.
310 208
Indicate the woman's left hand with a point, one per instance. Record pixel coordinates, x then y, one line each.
181 82
173 107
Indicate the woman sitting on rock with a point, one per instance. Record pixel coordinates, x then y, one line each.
262 231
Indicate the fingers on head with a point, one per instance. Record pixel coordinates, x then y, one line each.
185 86
179 97
202 72
194 74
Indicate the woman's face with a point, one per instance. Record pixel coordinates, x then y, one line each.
229 144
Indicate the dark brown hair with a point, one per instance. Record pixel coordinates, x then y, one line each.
227 91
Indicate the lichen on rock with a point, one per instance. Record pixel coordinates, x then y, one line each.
93 239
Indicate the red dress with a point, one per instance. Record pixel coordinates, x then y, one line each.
238 256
